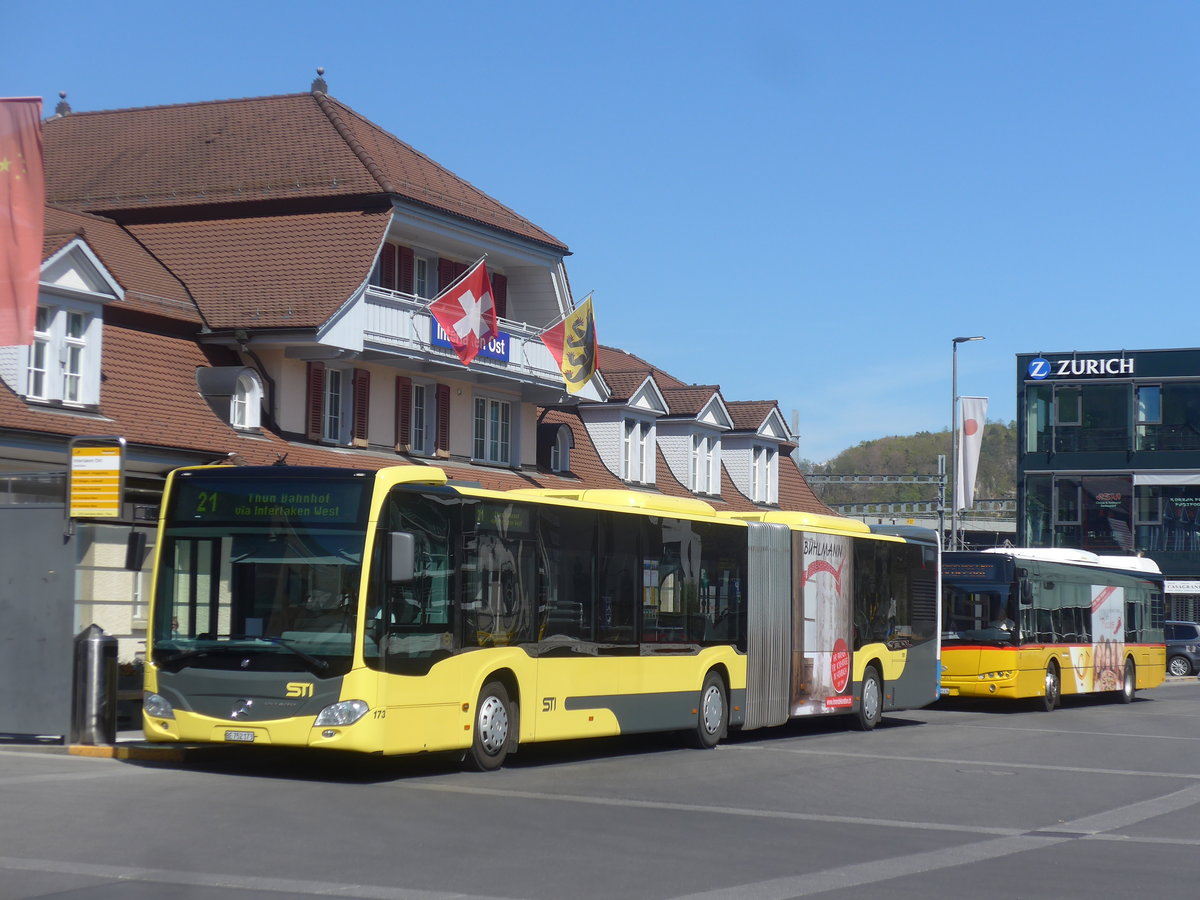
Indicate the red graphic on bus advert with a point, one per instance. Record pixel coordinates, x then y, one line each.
839 665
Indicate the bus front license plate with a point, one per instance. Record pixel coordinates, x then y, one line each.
245 737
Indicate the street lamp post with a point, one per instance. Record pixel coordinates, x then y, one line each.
954 437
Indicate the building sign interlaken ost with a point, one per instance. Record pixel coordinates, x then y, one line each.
1072 367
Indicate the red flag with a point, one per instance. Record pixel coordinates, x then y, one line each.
22 213
467 313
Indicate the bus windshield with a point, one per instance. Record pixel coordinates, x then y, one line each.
978 613
260 578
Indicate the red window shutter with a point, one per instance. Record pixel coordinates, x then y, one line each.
405 282
362 398
387 267
443 420
403 414
500 294
445 273
448 271
315 401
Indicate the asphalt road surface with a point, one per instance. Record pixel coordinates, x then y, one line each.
1095 800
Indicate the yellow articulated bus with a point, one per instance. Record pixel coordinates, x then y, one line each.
393 612
1045 623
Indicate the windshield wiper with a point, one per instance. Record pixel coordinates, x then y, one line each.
317 663
287 645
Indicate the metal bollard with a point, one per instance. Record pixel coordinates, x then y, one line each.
94 711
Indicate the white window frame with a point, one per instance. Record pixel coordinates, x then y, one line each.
491 430
764 482
333 412
560 452
418 418
703 468
422 269
245 406
637 439
38 375
62 364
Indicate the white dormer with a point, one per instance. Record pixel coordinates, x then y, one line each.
624 432
61 366
691 442
751 456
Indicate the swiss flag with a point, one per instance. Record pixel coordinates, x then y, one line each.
467 313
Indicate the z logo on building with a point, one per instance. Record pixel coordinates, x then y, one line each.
1039 368
299 689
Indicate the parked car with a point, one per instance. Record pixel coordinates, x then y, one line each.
1183 648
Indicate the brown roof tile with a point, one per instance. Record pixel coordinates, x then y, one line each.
149 286
748 415
270 272
291 147
689 401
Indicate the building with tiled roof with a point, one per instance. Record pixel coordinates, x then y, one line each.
248 281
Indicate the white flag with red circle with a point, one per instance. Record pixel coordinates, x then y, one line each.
467 313
973 417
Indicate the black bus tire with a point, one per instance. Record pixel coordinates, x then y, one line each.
1052 695
712 714
870 704
493 720
1128 683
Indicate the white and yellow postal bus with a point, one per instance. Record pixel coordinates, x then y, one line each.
1045 623
392 612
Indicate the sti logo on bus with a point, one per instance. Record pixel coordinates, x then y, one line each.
299 689
1067 368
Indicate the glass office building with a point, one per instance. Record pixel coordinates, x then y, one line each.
1108 459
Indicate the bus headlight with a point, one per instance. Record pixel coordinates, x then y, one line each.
346 712
157 707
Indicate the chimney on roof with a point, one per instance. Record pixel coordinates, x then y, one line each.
63 108
319 86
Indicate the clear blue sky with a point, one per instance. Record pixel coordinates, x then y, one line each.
798 201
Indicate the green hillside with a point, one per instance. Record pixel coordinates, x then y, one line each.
917 454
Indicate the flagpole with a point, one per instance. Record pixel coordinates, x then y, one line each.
574 308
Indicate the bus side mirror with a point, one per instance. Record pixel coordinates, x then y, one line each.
401 556
1026 593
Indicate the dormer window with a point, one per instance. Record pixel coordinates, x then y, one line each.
764 481
637 445
705 466
63 363
246 403
560 451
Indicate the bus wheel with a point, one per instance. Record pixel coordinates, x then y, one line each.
870 708
1053 695
1129 685
489 746
712 715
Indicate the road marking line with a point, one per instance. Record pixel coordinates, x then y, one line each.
294 887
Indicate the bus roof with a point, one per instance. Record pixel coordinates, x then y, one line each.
1079 558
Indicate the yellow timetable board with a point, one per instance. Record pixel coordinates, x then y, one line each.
95 482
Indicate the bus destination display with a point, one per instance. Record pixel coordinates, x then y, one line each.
248 502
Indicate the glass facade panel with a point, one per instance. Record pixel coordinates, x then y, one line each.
1168 517
1039 502
1108 514
1177 425
1038 418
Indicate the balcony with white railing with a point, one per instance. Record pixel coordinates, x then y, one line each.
402 324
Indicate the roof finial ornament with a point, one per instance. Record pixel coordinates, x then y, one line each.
319 85
63 108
